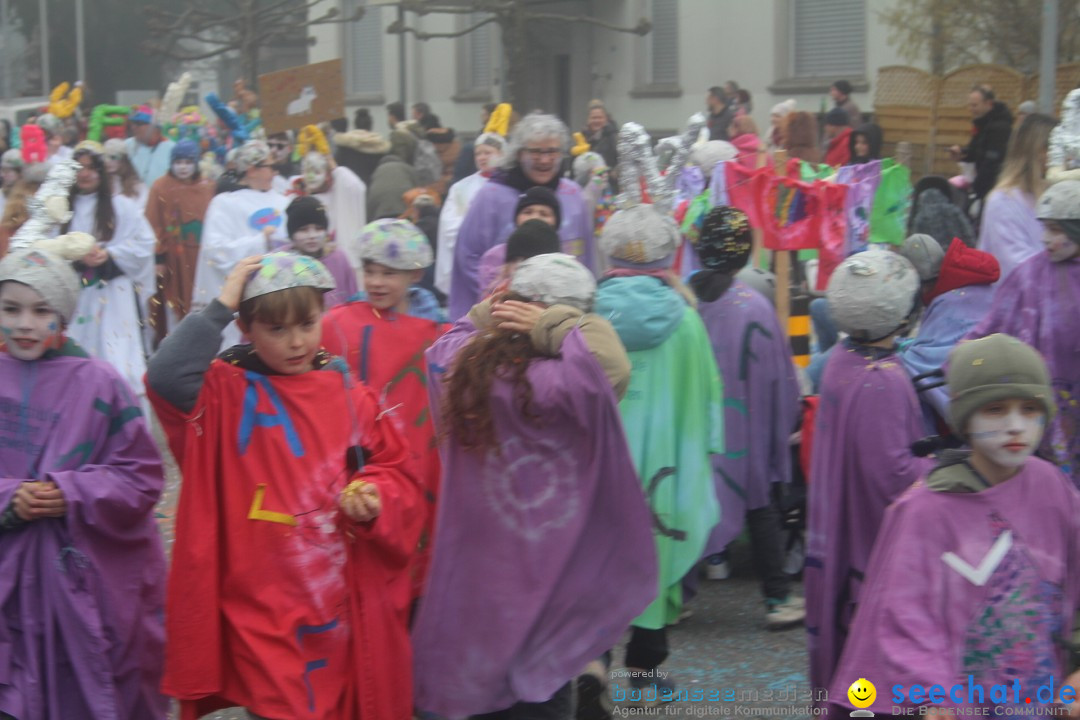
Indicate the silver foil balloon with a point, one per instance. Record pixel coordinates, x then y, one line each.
1064 150
682 151
630 149
49 206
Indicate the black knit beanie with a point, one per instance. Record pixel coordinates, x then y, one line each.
303 211
540 196
532 238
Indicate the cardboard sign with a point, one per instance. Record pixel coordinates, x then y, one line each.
299 96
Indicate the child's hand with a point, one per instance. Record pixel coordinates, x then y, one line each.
360 501
516 315
233 289
34 500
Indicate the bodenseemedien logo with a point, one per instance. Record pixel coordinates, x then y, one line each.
862 694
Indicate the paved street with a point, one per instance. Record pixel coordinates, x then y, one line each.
722 648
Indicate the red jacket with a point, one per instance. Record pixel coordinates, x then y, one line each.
278 602
748 146
839 152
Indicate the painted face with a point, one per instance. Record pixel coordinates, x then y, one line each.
8 177
87 179
386 287
289 348
862 148
314 178
486 157
1057 243
183 169
310 240
540 160
1007 432
280 150
536 212
28 325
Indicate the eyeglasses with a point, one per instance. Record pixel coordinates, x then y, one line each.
277 145
544 152
264 165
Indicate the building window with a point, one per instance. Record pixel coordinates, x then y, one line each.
475 62
829 39
364 53
658 52
664 43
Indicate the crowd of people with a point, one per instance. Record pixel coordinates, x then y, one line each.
455 420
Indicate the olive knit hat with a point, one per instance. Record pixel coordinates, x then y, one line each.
995 367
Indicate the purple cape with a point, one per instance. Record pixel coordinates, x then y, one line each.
1037 303
491 219
344 277
982 584
949 317
82 596
861 461
543 554
761 404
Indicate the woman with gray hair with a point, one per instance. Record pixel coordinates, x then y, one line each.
537 147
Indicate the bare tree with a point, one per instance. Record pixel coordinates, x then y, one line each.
514 18
952 33
209 28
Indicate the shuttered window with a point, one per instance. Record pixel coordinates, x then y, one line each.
475 56
364 50
830 38
664 55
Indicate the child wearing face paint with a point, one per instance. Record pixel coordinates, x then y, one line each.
298 515
308 225
344 196
976 570
175 209
867 419
82 569
395 254
383 340
1037 303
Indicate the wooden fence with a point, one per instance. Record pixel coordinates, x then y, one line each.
930 112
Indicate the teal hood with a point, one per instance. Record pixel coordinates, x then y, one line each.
643 309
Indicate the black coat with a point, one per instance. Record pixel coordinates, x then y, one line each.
989 142
604 143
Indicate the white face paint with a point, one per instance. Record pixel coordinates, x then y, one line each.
1057 243
314 179
310 240
1007 432
183 169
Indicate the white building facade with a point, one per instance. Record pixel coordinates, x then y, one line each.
776 49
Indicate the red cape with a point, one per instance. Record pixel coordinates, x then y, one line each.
839 152
277 602
385 350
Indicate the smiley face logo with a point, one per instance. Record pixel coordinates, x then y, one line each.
862 693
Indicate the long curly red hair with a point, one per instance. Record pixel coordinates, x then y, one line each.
466 413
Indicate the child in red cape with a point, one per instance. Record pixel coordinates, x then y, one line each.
384 346
298 510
